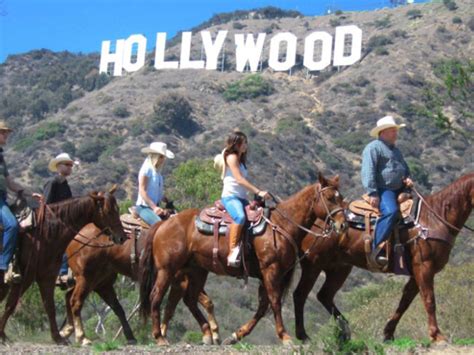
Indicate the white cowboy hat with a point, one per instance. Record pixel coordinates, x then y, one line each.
61 158
158 148
384 123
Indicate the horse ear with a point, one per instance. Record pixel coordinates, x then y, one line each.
335 179
113 189
322 179
96 195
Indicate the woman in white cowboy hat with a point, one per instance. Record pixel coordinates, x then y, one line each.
151 184
55 190
384 174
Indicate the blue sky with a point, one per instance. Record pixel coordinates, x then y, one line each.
81 25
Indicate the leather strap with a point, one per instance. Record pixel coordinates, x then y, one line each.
215 249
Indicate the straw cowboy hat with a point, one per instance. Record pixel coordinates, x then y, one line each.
61 158
158 148
384 123
4 127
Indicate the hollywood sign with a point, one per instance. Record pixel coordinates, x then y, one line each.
248 51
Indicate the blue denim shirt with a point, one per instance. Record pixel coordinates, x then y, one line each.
383 167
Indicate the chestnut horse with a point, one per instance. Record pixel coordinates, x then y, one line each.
178 247
96 263
42 250
443 214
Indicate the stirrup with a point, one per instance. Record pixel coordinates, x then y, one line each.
379 261
233 260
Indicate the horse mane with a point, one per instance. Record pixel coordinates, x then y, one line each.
63 211
453 194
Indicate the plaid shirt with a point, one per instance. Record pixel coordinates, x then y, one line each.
383 167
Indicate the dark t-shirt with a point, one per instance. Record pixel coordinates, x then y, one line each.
56 189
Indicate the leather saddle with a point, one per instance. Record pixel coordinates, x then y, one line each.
131 222
217 216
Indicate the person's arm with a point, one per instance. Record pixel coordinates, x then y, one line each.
48 191
234 166
368 174
142 186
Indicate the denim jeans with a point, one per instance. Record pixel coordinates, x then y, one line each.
147 214
64 266
235 206
390 215
10 234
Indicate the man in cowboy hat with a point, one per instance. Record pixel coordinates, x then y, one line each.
55 190
384 174
151 183
8 221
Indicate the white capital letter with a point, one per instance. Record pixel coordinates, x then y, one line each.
326 48
117 58
212 49
160 53
248 51
273 61
356 45
141 52
186 62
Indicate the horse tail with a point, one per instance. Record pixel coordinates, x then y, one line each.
147 273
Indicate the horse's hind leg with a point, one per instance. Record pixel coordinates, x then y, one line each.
68 327
245 330
197 279
208 305
108 294
335 278
163 280
309 275
175 295
409 293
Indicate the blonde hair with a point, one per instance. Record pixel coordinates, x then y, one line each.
154 160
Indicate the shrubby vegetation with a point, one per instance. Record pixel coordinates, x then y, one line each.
252 86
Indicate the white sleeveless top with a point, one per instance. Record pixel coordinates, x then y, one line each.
231 187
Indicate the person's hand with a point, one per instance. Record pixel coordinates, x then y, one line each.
374 201
263 194
158 210
38 197
408 182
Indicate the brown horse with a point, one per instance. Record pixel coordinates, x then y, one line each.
178 247
443 214
42 250
95 264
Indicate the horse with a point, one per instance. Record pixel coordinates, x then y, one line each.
96 263
177 246
443 214
42 249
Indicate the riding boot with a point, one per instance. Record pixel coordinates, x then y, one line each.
233 259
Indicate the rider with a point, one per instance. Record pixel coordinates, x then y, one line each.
151 184
384 174
57 189
7 219
234 192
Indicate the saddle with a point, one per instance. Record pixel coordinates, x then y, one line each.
132 222
217 217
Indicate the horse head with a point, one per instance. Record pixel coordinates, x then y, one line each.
329 203
107 215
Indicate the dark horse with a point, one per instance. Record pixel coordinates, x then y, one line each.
96 263
178 247
42 249
443 214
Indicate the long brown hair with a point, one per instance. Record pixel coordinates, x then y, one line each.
234 141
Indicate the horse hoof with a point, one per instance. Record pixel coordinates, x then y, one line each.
86 342
162 342
132 342
207 340
66 331
231 340
287 342
216 340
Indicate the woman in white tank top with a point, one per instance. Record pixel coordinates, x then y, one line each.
234 193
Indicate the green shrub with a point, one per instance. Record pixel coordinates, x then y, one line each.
121 111
338 12
192 337
353 142
48 130
413 14
399 33
238 26
450 5
378 41
457 20
383 22
252 86
470 23
293 124
381 51
334 22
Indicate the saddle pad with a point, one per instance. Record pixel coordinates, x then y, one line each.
357 221
216 213
130 222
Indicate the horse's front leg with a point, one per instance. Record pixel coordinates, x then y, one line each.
46 287
163 280
68 327
424 276
208 305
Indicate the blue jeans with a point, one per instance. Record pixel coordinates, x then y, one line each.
10 234
390 215
147 214
64 266
235 206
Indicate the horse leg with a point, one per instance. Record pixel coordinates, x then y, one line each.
424 277
208 305
175 295
335 278
68 327
197 279
16 291
245 330
163 279
46 287
107 293
77 299
309 275
409 293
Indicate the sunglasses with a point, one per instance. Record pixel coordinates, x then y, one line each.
67 164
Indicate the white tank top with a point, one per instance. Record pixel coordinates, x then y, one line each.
231 186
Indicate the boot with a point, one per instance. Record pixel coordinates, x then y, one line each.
233 259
